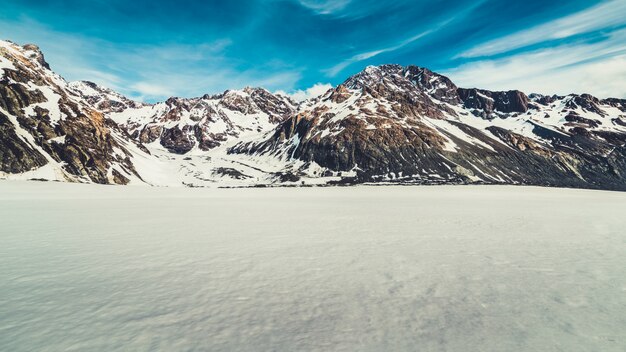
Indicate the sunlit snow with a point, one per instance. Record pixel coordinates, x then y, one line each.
450 268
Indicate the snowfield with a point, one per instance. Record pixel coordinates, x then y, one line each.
439 268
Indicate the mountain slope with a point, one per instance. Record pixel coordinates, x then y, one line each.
392 123
49 132
385 124
179 124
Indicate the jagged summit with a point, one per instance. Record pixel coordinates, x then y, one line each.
385 124
419 80
35 53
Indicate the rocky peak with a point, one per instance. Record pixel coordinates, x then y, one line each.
246 101
278 107
586 102
437 86
339 94
372 76
418 81
29 55
33 52
544 99
173 102
239 100
418 86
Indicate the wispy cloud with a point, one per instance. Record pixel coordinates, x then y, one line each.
458 16
325 7
605 15
143 90
333 71
598 68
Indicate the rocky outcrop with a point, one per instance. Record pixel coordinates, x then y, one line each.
148 134
617 103
15 96
177 140
437 86
16 155
32 51
587 103
488 104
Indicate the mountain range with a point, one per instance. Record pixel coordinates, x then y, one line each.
386 124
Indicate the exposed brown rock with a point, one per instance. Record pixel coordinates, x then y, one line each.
178 141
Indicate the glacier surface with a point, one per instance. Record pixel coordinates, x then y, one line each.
454 268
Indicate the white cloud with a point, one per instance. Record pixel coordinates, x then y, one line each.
310 93
147 89
604 15
597 68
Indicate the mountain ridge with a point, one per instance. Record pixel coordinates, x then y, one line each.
385 124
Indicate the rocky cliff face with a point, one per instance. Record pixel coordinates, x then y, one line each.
389 124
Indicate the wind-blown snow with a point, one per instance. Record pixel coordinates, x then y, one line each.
454 268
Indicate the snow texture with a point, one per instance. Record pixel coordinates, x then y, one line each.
440 268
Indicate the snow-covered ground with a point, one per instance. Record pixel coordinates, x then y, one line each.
450 268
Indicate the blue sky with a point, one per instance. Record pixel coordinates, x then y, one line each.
150 50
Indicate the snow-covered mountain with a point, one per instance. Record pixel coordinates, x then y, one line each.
386 124
408 124
181 125
48 131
